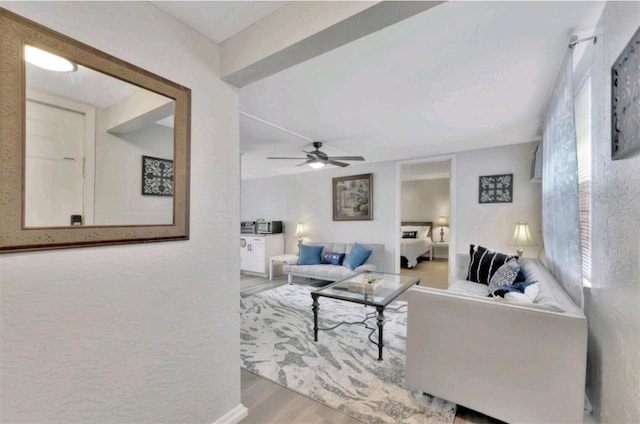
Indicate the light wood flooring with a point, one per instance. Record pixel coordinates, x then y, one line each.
432 273
270 403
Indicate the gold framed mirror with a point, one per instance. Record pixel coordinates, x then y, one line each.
94 153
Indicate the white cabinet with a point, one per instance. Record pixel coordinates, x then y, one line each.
255 251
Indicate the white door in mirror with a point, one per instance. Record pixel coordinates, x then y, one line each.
53 168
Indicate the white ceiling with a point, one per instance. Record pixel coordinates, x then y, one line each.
459 76
219 20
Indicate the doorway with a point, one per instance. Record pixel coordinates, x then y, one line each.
423 200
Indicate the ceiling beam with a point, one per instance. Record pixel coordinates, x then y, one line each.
302 30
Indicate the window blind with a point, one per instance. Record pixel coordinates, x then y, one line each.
583 145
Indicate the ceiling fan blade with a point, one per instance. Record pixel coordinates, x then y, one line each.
273 157
346 157
333 162
305 162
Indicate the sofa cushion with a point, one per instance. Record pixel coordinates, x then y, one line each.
333 258
309 255
357 256
468 288
505 275
321 272
484 263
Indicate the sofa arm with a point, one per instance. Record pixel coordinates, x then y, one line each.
291 261
366 267
518 364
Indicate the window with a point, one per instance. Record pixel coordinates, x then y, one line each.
583 139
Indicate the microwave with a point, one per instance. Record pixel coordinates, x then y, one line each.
268 227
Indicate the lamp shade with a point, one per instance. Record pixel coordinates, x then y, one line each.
522 235
300 230
443 221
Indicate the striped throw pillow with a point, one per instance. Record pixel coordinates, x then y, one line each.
484 263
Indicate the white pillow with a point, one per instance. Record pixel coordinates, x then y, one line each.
517 297
531 291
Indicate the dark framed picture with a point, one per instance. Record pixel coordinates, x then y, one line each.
353 198
625 100
157 176
496 188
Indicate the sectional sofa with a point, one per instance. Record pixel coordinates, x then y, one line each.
518 362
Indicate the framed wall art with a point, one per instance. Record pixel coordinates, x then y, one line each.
353 198
496 188
157 176
625 100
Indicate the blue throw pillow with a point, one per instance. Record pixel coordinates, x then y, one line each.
333 258
522 275
515 287
310 255
357 256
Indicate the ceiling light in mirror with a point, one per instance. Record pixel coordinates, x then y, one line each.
48 61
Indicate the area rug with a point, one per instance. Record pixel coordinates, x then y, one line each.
341 370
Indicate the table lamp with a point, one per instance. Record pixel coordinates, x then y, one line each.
522 237
442 222
300 233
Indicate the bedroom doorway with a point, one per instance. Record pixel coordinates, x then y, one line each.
425 219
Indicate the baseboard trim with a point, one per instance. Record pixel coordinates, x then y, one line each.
234 416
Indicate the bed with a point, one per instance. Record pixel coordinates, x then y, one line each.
413 248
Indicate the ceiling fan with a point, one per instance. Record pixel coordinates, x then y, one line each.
318 159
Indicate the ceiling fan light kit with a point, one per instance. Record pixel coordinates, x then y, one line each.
317 159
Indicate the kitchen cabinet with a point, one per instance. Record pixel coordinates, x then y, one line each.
255 251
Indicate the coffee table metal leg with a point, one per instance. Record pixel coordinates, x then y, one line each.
315 317
380 320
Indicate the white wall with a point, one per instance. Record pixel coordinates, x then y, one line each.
306 198
426 200
492 224
142 333
118 183
612 305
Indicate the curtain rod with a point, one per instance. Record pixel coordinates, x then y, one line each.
573 43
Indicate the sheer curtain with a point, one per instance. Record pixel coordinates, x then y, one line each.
560 200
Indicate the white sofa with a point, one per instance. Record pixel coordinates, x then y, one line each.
515 362
328 272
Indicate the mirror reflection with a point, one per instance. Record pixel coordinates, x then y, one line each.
87 137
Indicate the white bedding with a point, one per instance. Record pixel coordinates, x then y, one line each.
412 249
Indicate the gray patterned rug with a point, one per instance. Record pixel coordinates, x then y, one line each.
341 370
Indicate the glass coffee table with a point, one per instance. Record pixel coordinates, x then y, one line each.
376 289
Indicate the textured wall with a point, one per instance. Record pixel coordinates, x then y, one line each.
426 200
612 305
492 224
143 333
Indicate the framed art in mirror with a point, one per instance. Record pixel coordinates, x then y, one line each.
75 122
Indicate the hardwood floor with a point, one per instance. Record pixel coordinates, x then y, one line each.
432 273
270 403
